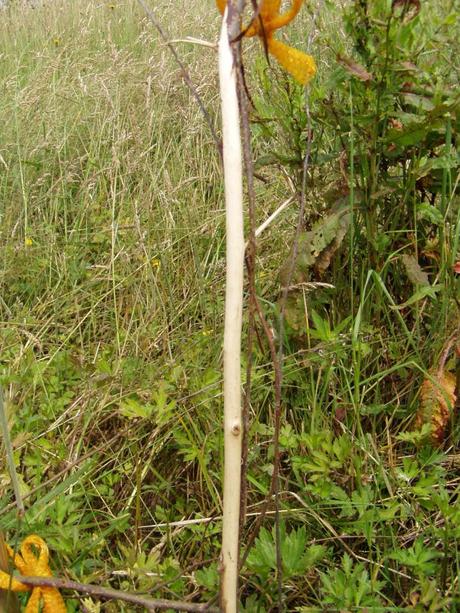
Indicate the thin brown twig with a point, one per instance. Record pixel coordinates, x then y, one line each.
277 358
112 594
277 384
275 484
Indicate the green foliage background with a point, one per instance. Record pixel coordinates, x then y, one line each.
111 299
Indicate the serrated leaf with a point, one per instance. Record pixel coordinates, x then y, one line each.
297 558
208 577
187 448
317 246
416 437
253 605
132 408
324 259
313 555
293 549
437 399
262 557
418 557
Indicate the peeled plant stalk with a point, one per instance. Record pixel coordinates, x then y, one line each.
233 175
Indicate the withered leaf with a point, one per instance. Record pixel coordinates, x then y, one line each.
317 246
354 68
437 399
324 258
416 275
409 8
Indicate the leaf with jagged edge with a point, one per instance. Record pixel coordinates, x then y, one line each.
317 246
437 399
324 258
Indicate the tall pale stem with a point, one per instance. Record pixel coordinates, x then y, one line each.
233 321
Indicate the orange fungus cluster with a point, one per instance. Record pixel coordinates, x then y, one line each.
33 562
298 64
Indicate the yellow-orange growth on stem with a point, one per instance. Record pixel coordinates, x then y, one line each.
297 63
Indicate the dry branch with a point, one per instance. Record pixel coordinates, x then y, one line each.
111 594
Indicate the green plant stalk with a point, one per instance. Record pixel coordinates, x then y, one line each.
114 237
25 198
356 322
